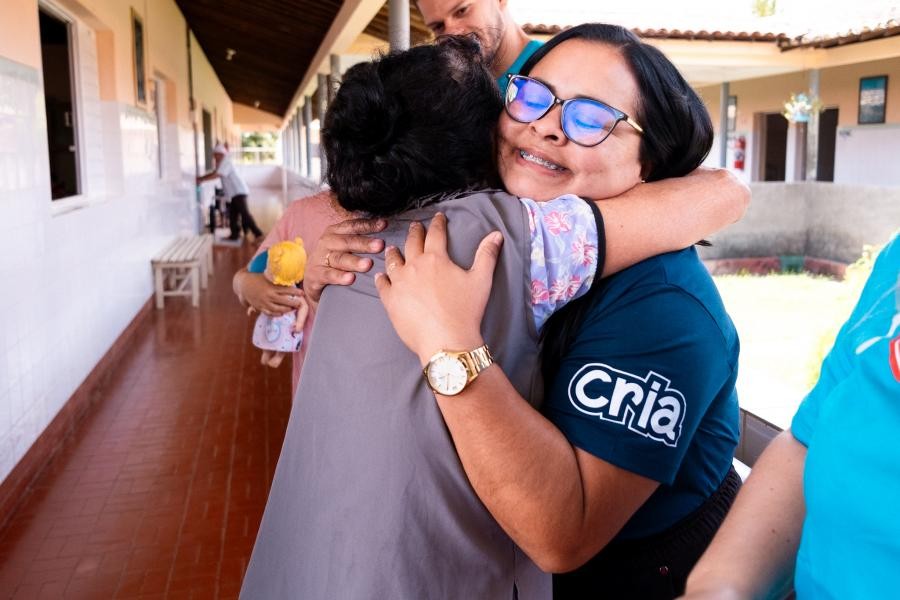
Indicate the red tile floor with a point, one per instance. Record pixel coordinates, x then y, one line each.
160 491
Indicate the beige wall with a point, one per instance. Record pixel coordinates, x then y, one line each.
19 32
211 96
165 47
838 88
247 118
765 95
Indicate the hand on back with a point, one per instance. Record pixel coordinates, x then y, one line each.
334 260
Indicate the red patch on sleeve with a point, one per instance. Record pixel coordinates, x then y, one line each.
894 349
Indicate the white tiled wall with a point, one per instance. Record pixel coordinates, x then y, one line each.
73 274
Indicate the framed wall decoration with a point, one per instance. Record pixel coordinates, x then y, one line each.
872 99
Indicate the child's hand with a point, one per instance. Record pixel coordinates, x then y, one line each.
266 297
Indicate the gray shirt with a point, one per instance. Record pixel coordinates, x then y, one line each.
369 498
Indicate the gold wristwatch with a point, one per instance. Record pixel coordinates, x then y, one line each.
449 372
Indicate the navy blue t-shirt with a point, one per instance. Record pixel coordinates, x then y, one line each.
648 384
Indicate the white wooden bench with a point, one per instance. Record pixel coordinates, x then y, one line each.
182 268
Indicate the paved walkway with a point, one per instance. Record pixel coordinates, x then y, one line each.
160 491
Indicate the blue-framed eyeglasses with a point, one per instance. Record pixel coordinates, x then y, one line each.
585 121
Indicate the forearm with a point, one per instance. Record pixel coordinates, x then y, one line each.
664 216
521 466
753 553
237 284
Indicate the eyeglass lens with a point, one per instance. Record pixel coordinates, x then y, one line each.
584 121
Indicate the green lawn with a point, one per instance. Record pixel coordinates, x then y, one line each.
787 324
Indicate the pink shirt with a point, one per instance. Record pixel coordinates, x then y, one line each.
306 218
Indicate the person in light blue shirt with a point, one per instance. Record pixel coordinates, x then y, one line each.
821 501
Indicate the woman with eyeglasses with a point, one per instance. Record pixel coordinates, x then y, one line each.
370 498
623 476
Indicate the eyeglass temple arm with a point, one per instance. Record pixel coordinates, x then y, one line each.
634 124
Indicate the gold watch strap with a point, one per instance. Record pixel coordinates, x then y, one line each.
477 360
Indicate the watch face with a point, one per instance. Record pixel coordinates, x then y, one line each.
447 375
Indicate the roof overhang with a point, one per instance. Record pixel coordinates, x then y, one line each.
260 50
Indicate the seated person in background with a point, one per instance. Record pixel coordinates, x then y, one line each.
819 509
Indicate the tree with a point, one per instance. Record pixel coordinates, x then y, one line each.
763 8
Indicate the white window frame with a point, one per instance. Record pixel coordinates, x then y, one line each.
81 199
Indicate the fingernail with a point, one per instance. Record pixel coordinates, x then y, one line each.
496 237
390 248
381 223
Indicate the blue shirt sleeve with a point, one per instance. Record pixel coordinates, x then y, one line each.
639 379
838 365
259 262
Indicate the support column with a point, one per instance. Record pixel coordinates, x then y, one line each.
334 77
795 159
286 142
301 142
322 96
398 24
307 123
723 124
812 130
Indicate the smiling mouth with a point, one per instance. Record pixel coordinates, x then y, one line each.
540 161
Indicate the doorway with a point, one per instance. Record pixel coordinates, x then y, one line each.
59 104
775 148
828 122
208 140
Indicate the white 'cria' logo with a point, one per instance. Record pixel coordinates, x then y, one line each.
648 405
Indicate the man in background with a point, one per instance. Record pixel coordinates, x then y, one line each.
504 44
233 185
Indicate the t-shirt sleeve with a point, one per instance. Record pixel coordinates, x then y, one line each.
838 365
635 385
564 255
259 262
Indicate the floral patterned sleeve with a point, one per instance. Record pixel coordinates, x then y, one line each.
564 258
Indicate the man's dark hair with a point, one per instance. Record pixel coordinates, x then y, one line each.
410 125
678 132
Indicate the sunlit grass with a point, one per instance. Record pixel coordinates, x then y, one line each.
787 324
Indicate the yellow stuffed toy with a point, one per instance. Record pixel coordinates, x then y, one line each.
287 262
277 335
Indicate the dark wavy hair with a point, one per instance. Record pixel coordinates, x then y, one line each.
410 125
678 134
